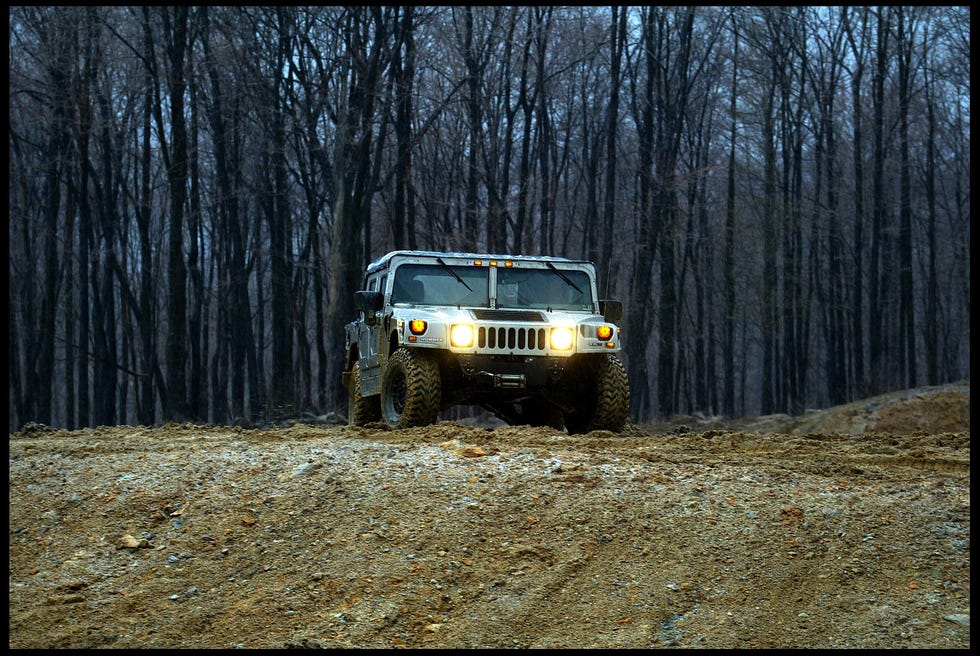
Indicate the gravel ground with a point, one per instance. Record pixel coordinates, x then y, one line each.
848 528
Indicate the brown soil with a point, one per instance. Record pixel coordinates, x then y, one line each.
848 528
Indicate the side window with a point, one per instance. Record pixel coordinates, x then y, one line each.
381 284
372 285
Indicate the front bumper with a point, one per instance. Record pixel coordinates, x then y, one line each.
511 372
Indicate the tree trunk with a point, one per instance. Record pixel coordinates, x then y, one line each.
728 395
474 106
607 279
404 73
906 295
55 163
638 339
175 22
857 132
197 406
931 333
875 279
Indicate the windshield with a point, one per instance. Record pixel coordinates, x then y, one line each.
428 284
567 289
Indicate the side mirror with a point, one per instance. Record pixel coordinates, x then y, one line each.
368 303
612 310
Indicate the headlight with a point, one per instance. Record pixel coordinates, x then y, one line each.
604 332
461 335
562 338
417 326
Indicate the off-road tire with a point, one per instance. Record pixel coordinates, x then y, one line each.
361 409
604 400
410 390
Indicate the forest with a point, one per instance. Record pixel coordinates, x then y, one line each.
779 195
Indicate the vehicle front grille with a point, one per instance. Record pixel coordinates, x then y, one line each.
510 339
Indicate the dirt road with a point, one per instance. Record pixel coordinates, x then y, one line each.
843 529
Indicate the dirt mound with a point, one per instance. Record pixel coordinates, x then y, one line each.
925 410
849 532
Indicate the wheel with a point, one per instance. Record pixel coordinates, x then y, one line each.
360 409
604 400
410 390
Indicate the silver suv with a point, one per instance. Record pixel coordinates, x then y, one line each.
523 337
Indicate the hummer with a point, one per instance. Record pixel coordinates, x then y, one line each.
525 337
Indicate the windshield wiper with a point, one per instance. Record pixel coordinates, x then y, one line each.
564 277
455 275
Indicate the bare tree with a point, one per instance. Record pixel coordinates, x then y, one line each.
728 394
876 283
906 25
173 24
857 38
355 163
53 32
618 36
194 193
